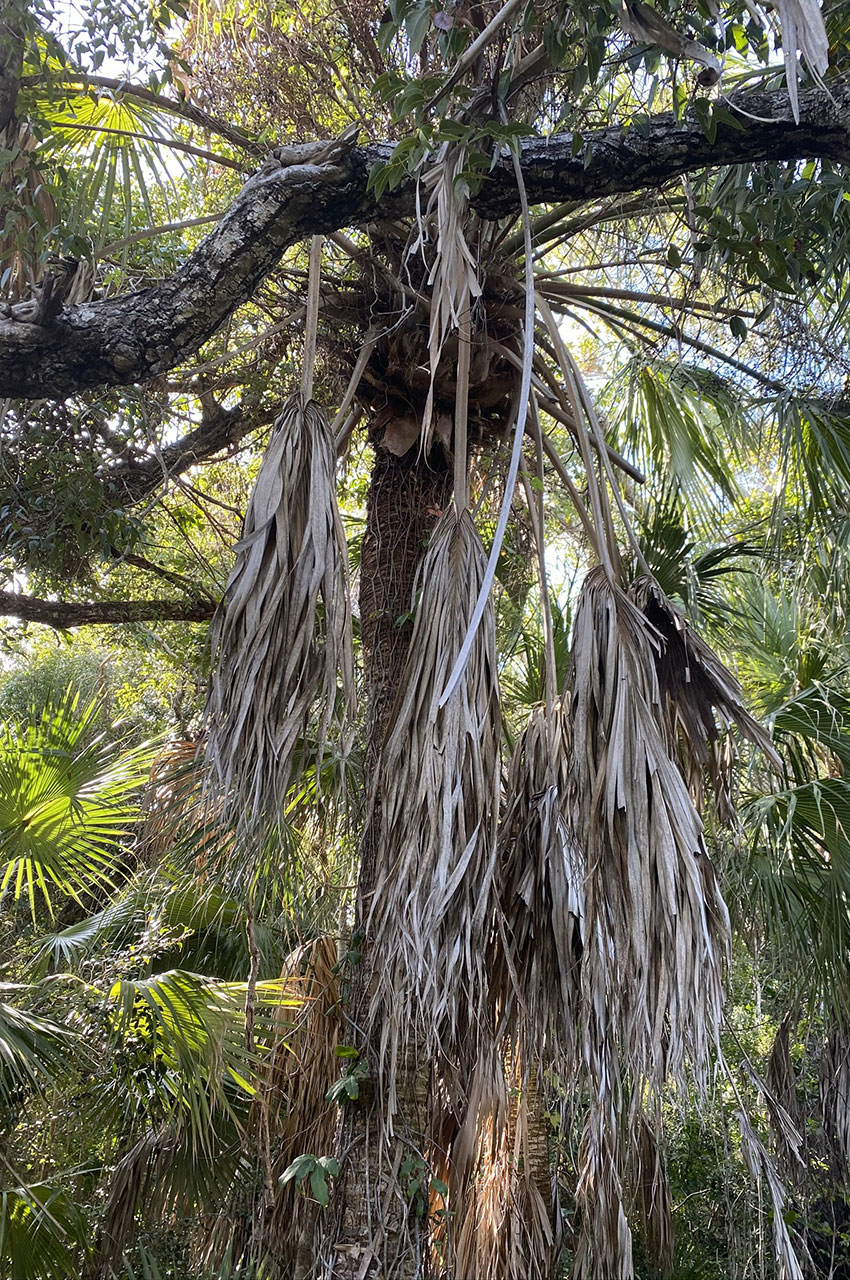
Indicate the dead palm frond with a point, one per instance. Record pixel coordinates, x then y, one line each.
482 603
540 872
653 1194
835 1098
503 1225
437 800
650 886
23 184
761 1167
802 26
540 893
283 631
695 689
784 1112
453 276
653 908
172 803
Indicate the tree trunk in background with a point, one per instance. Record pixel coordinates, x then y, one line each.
372 1232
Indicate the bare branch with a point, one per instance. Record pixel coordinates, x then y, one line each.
218 430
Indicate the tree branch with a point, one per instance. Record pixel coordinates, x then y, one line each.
135 336
63 614
219 428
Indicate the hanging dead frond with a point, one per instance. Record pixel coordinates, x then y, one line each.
760 1165
656 925
139 1177
502 1215
652 896
282 634
779 1090
604 1247
23 186
540 894
453 276
302 1067
803 29
653 1194
696 689
437 798
835 1098
173 806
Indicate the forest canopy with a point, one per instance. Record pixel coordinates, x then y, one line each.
424 701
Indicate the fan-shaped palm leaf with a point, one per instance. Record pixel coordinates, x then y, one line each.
32 1048
41 1230
66 803
678 426
814 444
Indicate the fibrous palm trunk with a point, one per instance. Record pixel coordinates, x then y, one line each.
372 1229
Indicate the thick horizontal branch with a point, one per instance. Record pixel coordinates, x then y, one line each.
135 336
71 613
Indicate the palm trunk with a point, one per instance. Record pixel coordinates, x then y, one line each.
374 1230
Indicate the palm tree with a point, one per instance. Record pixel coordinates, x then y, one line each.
585 934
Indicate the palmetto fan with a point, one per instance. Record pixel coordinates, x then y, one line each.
66 804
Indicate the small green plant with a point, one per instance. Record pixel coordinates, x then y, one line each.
319 1169
347 1087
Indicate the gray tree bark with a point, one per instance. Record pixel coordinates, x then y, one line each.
135 336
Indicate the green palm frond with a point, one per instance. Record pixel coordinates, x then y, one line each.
781 645
812 729
114 165
66 804
814 447
160 914
144 1266
33 1049
523 676
796 883
686 573
187 1034
41 1231
113 170
678 426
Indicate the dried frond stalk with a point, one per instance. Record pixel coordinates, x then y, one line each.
438 791
283 630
